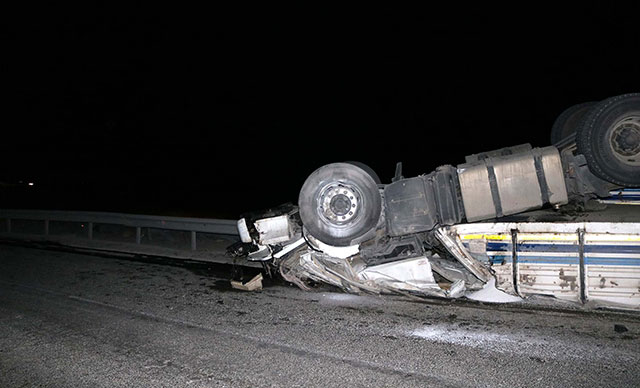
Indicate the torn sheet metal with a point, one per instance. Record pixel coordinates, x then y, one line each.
289 248
408 275
453 271
413 276
319 267
263 253
455 247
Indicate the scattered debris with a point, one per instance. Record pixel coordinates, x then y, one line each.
254 284
489 293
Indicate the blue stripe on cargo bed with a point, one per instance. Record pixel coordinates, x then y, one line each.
563 248
506 259
612 261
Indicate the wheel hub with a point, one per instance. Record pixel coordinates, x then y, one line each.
625 140
338 203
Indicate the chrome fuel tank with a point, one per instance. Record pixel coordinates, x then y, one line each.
510 181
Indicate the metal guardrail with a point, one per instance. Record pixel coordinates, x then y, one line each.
193 225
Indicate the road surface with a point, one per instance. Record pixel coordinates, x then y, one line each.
76 320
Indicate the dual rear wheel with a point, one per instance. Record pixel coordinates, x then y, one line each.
607 133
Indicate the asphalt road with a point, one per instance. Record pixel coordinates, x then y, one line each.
73 320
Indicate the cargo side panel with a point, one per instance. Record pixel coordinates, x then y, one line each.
613 268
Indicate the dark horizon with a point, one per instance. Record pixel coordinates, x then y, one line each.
189 117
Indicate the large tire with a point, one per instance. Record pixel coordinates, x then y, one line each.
339 203
609 139
367 169
567 123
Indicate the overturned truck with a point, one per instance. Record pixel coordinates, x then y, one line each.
554 221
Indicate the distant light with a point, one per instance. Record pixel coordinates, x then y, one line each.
30 183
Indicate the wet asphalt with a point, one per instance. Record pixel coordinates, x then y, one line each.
75 320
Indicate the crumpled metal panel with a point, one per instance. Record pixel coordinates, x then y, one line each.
455 247
413 275
410 275
482 247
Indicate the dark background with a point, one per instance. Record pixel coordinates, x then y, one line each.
213 112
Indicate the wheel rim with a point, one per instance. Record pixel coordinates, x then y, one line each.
624 140
339 203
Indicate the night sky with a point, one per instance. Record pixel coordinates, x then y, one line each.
214 112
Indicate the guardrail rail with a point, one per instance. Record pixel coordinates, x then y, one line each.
89 220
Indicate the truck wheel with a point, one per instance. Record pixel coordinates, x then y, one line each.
609 139
338 203
567 123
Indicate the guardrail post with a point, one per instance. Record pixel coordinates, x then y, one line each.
138 235
8 225
90 231
193 240
46 227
